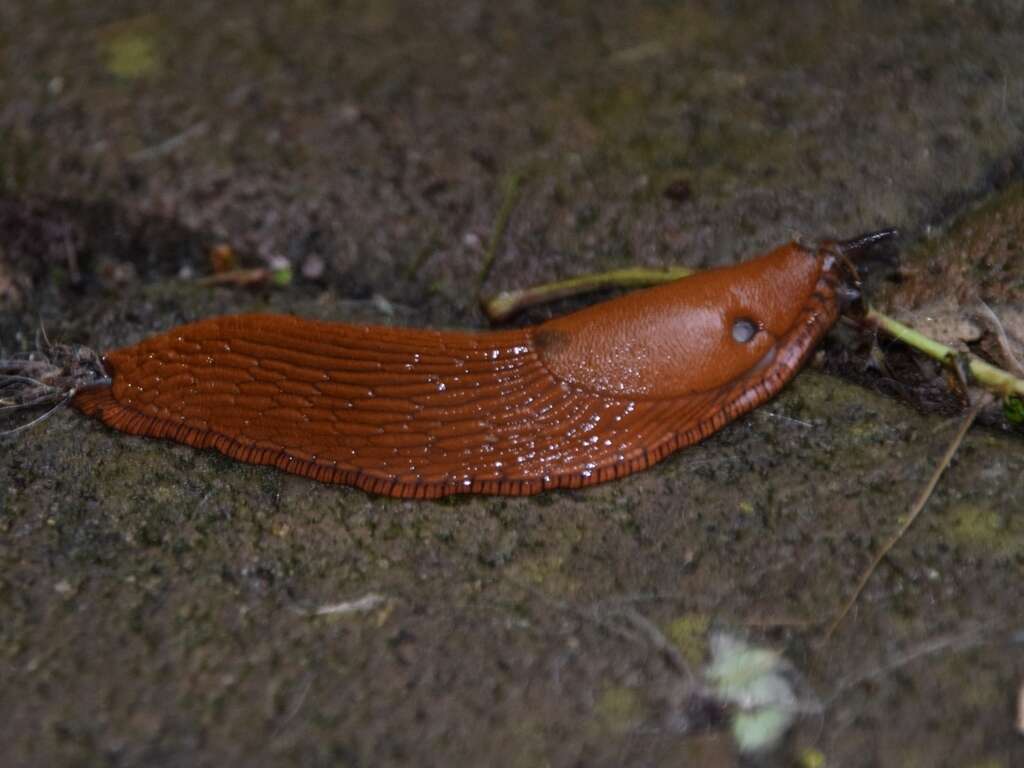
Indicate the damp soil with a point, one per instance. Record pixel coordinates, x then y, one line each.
390 161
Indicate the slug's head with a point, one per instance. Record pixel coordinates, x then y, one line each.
704 332
842 258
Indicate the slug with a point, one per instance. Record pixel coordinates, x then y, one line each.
411 413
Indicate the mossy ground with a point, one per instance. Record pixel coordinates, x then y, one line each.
159 605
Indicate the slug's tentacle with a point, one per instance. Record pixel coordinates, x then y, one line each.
855 245
415 413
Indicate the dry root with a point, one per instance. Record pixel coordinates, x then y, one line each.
49 376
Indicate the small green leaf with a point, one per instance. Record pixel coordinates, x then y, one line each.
282 277
131 55
754 681
811 758
1013 409
760 728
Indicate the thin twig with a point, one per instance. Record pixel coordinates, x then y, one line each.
52 375
966 640
915 510
507 304
300 699
14 378
363 604
781 417
238 277
1002 339
169 145
39 419
510 200
622 621
9 407
657 639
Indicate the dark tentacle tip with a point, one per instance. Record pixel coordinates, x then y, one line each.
852 257
857 245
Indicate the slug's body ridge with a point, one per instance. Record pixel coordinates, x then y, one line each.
578 400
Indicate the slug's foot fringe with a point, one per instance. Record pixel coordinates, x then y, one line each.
50 376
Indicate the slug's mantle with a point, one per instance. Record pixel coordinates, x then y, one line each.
412 413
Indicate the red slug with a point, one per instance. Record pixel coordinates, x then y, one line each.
575 401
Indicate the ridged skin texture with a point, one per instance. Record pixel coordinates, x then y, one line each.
415 413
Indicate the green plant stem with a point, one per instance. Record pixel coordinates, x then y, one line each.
510 303
992 378
510 199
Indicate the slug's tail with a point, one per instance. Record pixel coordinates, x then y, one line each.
401 412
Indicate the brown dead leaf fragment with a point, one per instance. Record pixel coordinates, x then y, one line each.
980 257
